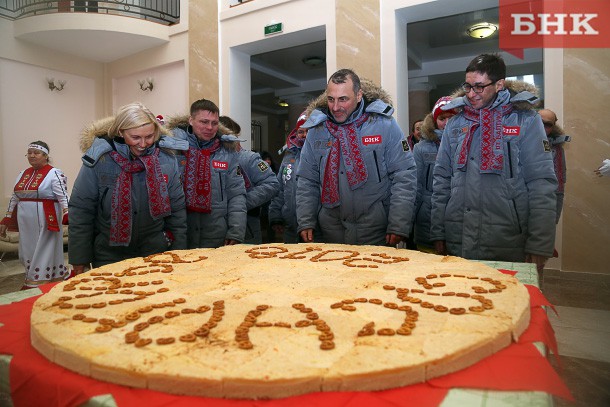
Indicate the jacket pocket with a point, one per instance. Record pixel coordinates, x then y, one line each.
514 205
377 165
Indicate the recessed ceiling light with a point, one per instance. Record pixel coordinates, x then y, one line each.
313 61
282 103
482 30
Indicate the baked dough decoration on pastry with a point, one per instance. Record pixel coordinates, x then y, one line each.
279 320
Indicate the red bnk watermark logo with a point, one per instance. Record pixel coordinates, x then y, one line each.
553 24
220 165
367 140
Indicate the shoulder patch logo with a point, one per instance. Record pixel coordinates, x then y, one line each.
262 166
546 145
405 145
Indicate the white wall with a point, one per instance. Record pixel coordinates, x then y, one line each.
29 111
242 35
168 94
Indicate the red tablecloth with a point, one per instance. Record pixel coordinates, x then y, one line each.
520 367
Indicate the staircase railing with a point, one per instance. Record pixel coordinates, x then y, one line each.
160 11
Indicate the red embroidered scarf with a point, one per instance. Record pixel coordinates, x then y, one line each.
344 146
158 195
198 178
559 170
492 147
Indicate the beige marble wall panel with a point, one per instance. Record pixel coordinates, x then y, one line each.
358 38
586 228
203 50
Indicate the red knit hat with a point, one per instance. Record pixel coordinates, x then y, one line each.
437 111
301 120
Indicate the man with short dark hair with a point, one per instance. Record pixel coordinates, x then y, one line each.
213 185
356 178
494 184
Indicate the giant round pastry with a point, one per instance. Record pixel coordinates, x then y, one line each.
279 320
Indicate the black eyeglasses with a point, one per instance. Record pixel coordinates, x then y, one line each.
466 87
548 124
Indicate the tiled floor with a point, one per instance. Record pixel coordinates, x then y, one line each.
582 328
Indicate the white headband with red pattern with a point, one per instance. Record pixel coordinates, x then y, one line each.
39 147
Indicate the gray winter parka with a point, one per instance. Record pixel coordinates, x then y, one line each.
492 216
227 220
90 206
263 187
557 139
283 209
384 204
424 153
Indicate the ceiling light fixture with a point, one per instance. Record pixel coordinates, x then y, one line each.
282 103
314 61
482 30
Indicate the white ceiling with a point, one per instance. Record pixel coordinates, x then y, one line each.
95 45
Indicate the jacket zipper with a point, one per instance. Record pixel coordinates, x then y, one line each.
221 194
377 165
510 160
517 215
428 176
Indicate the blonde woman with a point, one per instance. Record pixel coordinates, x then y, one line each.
127 200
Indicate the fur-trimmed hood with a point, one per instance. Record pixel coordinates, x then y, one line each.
182 122
99 129
558 136
428 129
370 91
523 96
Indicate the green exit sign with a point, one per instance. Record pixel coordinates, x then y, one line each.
274 28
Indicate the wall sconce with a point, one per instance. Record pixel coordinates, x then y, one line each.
53 86
146 84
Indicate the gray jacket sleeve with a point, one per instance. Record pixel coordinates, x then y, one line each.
277 203
236 207
83 207
403 177
176 222
308 188
264 182
441 190
539 176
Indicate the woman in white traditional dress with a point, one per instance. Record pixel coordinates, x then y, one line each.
37 209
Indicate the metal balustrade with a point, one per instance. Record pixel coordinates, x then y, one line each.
159 11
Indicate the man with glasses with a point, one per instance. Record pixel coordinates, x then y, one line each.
557 139
494 183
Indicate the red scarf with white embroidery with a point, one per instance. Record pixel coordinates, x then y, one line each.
158 196
492 147
345 145
198 178
559 170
